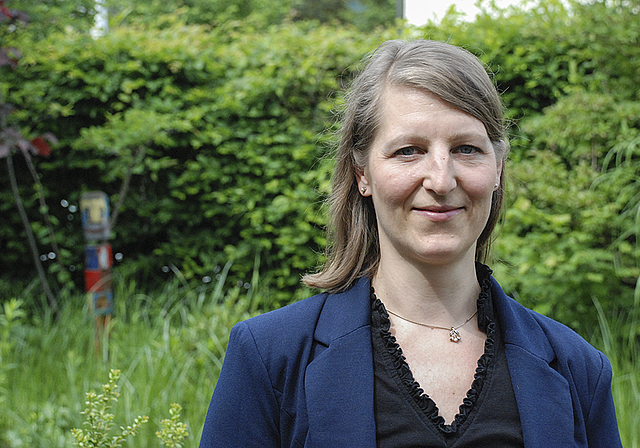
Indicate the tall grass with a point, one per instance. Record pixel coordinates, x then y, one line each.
618 339
169 347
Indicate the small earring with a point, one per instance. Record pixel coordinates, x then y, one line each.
363 190
495 187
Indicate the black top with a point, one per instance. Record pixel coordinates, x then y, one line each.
407 417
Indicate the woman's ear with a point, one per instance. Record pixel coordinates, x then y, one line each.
501 149
363 182
498 174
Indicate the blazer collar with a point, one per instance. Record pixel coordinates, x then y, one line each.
542 393
339 381
519 328
344 312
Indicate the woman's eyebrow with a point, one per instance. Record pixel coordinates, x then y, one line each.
457 137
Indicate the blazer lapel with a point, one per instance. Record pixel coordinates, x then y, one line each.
339 381
543 395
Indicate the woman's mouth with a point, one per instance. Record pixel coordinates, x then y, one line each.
439 213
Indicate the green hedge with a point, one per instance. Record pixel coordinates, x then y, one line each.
222 131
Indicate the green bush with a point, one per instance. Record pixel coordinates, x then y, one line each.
221 132
566 237
218 132
552 48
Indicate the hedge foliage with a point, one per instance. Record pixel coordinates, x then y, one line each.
224 128
220 129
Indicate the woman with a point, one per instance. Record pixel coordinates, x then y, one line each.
414 344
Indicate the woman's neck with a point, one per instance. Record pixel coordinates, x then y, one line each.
437 295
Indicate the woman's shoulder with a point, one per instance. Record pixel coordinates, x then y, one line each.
298 317
543 335
280 340
341 311
294 328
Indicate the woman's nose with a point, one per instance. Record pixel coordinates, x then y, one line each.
440 176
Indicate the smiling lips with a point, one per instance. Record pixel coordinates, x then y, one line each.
439 213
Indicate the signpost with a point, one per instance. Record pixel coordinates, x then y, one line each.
94 207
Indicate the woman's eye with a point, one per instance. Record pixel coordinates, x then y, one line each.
468 149
407 151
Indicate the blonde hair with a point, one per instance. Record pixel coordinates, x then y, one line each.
447 71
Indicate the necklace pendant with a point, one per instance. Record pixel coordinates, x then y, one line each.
454 335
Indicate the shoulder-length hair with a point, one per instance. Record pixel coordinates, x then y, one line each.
449 72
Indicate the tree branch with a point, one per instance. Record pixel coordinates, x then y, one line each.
32 241
124 189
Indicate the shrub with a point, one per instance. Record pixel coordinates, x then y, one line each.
217 133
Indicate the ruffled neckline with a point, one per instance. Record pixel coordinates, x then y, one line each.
486 323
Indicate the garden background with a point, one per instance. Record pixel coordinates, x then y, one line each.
210 124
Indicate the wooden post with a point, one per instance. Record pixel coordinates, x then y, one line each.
94 207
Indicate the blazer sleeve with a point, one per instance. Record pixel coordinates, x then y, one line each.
601 423
244 409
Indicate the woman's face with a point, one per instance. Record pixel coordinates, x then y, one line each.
431 172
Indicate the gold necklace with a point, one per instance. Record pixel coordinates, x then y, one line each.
454 334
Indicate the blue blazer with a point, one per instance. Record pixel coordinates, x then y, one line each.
302 376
